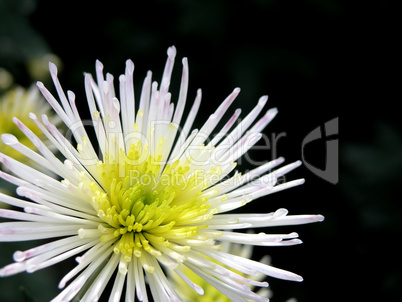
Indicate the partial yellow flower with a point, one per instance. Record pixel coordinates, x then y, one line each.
6 79
38 66
19 103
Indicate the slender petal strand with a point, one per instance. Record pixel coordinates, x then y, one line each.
148 195
17 104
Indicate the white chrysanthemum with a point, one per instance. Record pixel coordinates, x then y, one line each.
156 198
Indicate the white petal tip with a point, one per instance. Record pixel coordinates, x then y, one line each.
19 256
273 111
71 95
45 119
297 278
16 121
21 191
171 52
291 277
281 212
109 77
53 69
99 65
87 76
319 218
130 66
297 163
29 210
199 290
31 269
32 116
61 285
9 139
263 100
280 160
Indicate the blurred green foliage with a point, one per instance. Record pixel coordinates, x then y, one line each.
19 41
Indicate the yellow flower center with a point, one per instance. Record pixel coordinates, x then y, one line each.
145 205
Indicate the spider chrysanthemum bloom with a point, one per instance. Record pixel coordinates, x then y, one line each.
155 197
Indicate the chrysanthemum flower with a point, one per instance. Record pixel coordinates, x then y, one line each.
155 199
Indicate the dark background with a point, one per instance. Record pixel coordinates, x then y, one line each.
317 60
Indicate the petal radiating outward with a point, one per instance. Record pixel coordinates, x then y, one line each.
191 287
149 194
19 102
